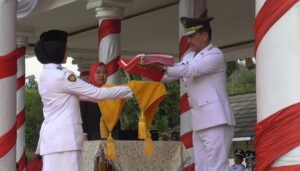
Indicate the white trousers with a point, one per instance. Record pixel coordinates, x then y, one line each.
211 148
63 161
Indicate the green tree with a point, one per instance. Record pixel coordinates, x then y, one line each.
241 80
167 116
34 116
30 83
130 115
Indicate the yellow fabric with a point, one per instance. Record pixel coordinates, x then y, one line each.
149 95
103 128
101 165
111 110
142 127
148 149
111 149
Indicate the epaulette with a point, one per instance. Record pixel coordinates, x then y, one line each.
60 68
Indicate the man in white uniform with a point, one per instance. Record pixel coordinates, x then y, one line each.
61 134
250 160
203 72
238 160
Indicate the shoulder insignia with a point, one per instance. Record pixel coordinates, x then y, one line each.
72 78
59 68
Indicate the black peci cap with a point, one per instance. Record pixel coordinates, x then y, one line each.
54 35
51 47
192 25
239 152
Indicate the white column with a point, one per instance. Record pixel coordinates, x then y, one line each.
192 9
20 108
8 64
109 13
278 71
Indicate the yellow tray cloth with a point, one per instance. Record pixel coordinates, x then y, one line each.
111 110
103 128
148 95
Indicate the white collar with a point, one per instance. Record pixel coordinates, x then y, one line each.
203 51
207 48
51 66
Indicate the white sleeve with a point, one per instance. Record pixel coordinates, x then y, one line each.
167 79
82 88
88 99
212 63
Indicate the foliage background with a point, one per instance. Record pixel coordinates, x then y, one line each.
34 116
240 79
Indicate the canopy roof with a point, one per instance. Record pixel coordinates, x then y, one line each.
148 26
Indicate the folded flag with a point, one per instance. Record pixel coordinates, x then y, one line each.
133 65
157 58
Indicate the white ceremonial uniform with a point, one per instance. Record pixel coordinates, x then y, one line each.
237 167
248 169
61 131
212 121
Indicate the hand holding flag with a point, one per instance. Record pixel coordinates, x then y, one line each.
149 66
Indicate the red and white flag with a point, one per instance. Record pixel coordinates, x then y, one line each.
134 65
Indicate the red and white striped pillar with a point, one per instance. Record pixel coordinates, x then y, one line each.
109 14
20 108
8 70
192 9
277 42
109 40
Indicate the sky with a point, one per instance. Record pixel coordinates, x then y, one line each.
34 67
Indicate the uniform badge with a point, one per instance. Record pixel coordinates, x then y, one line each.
72 78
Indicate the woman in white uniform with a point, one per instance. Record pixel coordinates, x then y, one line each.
61 134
